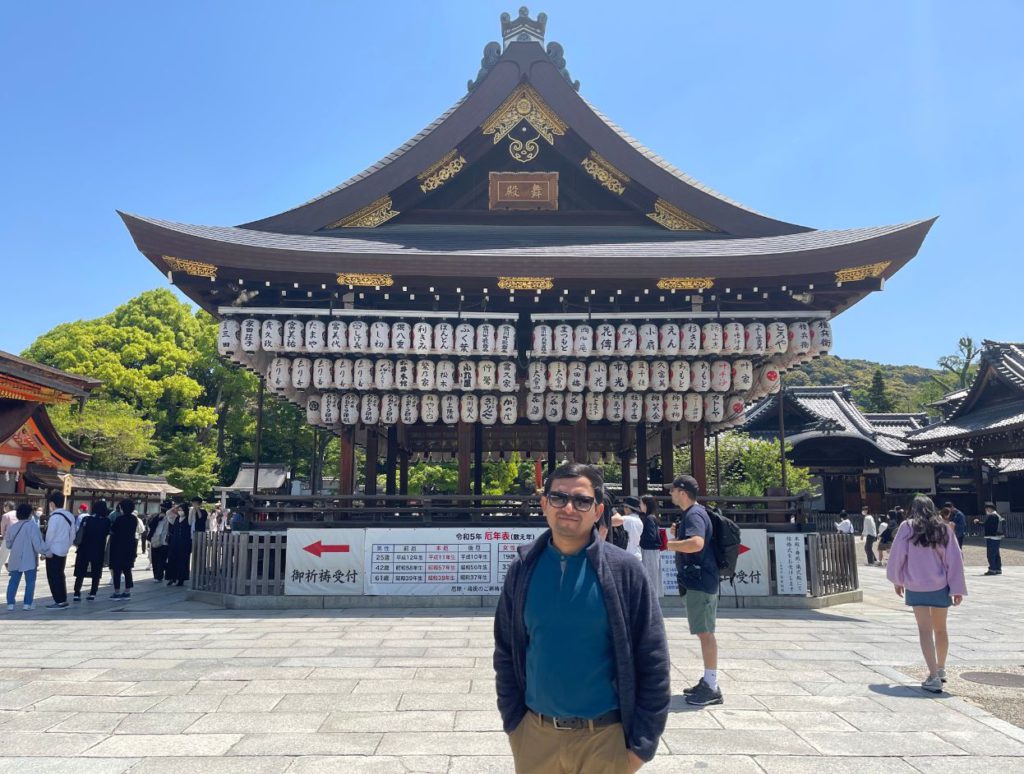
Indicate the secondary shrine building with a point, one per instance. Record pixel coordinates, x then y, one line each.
522 276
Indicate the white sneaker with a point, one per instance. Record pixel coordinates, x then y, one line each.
933 684
27 607
10 607
942 675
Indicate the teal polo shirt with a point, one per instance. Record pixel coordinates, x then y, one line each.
570 665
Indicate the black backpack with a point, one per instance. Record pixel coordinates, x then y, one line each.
725 542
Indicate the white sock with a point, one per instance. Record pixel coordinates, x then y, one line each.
711 678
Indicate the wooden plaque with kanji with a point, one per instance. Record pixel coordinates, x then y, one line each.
523 191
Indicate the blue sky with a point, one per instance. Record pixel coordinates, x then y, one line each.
829 114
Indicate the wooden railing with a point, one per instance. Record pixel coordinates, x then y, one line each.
831 564
240 563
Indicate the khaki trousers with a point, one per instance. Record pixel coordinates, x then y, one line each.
540 749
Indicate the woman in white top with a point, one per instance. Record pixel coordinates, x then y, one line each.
25 542
630 521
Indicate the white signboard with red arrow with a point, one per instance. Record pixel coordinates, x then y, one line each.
325 562
752 579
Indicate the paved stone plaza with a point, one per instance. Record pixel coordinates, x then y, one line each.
166 685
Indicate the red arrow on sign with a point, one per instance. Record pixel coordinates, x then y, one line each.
743 549
319 548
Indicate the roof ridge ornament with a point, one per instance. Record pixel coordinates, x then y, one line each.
522 29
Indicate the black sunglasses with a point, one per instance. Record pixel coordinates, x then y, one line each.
581 503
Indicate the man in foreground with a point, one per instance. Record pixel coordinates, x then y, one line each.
580 652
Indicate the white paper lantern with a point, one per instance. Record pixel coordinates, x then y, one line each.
486 375
380 339
445 375
614 406
271 336
654 407
425 375
507 376
344 374
401 338
626 339
821 337
778 338
689 339
755 338
668 339
405 374
410 409
465 339
595 406
742 375
251 336
562 340
734 406
537 377
313 416
450 409
467 375
369 409
444 338
422 338
733 338
554 407
349 408
674 407
535 406
639 375
679 375
693 407
469 408
362 374
597 376
721 376
488 409
390 408
714 407
508 408
302 373
604 339
660 376
293 330
769 379
618 376
711 338
323 373
279 373
506 339
229 337
358 336
574 407
337 336
634 407
330 409
799 338
430 408
486 339
700 376
542 340
557 375
316 336
576 379
647 339
583 340
384 377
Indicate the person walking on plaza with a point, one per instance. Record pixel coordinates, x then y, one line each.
926 566
123 548
697 571
157 530
10 516
179 545
650 543
959 522
91 548
60 535
870 534
844 526
198 516
580 653
633 525
994 527
886 535
25 542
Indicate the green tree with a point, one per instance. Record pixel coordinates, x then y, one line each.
114 433
747 467
959 368
878 398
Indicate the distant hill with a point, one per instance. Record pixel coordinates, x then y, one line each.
910 386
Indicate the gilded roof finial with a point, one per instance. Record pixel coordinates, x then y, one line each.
523 28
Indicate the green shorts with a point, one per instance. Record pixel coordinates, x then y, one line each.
701 611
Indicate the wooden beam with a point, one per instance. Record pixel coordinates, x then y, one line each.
465 436
372 451
552 448
391 466
667 455
625 453
579 436
698 461
641 458
346 461
403 461
478 459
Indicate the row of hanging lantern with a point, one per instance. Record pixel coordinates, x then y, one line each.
333 408
303 373
641 375
634 407
362 337
681 339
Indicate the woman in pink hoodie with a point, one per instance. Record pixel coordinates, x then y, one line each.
927 568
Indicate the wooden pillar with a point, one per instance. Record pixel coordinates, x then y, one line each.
698 461
259 437
667 455
979 485
372 450
346 460
391 467
625 454
580 452
478 459
403 461
641 458
552 447
465 440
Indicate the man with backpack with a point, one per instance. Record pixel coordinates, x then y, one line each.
60 534
698 572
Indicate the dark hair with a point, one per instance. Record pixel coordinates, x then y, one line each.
577 470
990 505
126 507
100 508
927 526
24 511
57 498
651 504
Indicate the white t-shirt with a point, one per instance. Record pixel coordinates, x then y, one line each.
634 529
869 526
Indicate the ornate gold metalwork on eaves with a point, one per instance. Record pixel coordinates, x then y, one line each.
674 219
441 171
686 283
526 283
195 268
524 104
17 389
370 216
862 272
366 280
603 172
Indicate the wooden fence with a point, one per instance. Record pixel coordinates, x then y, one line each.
826 522
240 563
831 564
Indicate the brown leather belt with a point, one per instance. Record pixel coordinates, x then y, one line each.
576 724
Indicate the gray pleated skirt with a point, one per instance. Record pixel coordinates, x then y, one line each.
652 564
